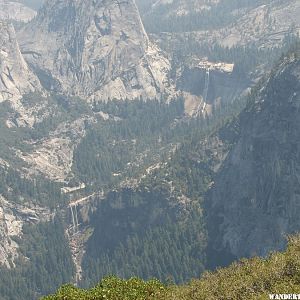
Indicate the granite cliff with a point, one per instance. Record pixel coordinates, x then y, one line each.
228 23
97 50
141 175
16 78
12 219
254 202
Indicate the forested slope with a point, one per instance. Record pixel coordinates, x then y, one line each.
152 163
248 279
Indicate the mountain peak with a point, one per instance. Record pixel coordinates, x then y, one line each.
92 49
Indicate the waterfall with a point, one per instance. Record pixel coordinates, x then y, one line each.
205 93
74 217
206 86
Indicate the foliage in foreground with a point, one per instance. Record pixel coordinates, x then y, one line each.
112 288
254 278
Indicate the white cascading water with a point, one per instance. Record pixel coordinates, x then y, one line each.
202 107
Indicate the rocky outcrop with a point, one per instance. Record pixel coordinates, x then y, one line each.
52 156
12 218
264 25
255 200
16 79
206 85
94 49
11 10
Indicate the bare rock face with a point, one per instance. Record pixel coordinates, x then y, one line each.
255 200
11 10
53 156
16 79
94 49
207 84
12 218
9 227
264 25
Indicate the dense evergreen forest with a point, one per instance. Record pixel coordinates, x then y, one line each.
140 223
44 263
147 235
161 221
133 131
255 278
135 217
121 249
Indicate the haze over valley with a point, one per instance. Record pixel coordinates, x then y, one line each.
149 139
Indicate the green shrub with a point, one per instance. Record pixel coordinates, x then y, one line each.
112 288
